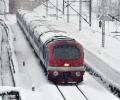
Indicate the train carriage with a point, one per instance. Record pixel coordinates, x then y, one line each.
62 56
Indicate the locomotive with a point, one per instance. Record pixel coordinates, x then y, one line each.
61 55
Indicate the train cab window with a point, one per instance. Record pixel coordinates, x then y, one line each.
66 51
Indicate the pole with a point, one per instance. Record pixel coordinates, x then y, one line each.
80 14
67 11
118 10
103 24
46 8
103 33
63 6
56 9
90 12
11 6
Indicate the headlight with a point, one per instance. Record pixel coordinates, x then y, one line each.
66 65
55 73
77 74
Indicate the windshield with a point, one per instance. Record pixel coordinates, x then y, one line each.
66 51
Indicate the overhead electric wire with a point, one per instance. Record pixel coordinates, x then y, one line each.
78 13
113 17
71 8
56 7
48 6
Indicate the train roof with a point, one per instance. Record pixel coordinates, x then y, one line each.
44 29
50 36
47 35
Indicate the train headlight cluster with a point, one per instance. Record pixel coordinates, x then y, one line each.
66 65
77 74
55 73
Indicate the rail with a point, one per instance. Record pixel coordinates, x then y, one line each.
72 87
12 69
61 92
82 92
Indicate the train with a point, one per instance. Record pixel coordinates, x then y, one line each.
61 55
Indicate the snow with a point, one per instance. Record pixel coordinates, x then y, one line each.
73 92
32 74
0 49
24 94
4 6
91 39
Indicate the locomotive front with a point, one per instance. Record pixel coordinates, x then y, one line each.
65 61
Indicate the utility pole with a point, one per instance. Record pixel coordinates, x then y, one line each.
103 33
11 6
103 22
56 9
63 6
80 12
90 12
119 10
67 11
46 8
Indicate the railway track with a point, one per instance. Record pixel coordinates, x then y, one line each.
82 92
74 92
63 91
71 92
6 73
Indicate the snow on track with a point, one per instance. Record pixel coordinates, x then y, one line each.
6 75
103 69
32 74
71 92
93 90
0 51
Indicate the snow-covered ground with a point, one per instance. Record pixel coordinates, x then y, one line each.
91 38
5 69
32 74
4 6
0 49
23 93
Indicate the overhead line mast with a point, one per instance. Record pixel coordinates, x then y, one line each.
68 6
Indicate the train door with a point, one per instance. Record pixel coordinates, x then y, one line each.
45 56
